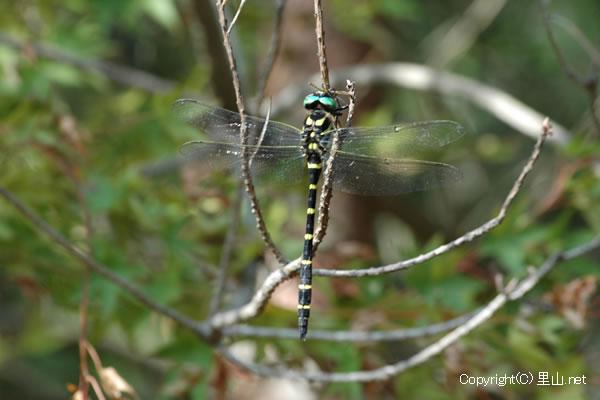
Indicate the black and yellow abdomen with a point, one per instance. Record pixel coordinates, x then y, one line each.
315 130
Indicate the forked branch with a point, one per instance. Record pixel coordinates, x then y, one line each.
262 295
246 176
519 289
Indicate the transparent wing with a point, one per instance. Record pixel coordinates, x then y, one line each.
223 126
400 141
281 164
377 176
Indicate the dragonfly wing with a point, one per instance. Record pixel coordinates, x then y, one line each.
224 126
281 164
402 140
375 176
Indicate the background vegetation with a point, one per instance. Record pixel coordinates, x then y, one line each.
79 140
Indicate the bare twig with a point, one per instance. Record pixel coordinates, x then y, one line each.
261 297
327 188
420 77
583 41
347 336
258 301
246 176
326 193
235 17
118 73
448 43
272 53
97 389
83 329
100 268
229 244
570 72
205 19
387 371
588 83
85 291
261 137
321 48
351 92
468 237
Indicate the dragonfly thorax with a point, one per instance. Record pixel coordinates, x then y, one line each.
316 131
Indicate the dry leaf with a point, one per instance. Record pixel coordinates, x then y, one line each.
114 385
572 299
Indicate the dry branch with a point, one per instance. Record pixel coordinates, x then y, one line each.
347 336
245 173
262 295
100 268
519 290
124 75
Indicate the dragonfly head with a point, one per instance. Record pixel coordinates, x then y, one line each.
321 100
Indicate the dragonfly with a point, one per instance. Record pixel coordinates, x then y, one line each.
368 161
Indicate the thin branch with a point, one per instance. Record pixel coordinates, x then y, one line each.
83 329
273 52
448 43
94 356
246 176
261 137
420 77
235 17
326 193
327 188
205 19
321 48
387 371
100 268
85 291
229 244
258 301
124 75
262 295
347 336
570 72
97 389
466 238
588 83
583 41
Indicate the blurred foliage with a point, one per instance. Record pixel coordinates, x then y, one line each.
74 142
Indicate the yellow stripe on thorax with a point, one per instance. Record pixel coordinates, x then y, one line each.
314 165
320 122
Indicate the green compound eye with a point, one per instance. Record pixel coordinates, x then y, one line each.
311 99
328 102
